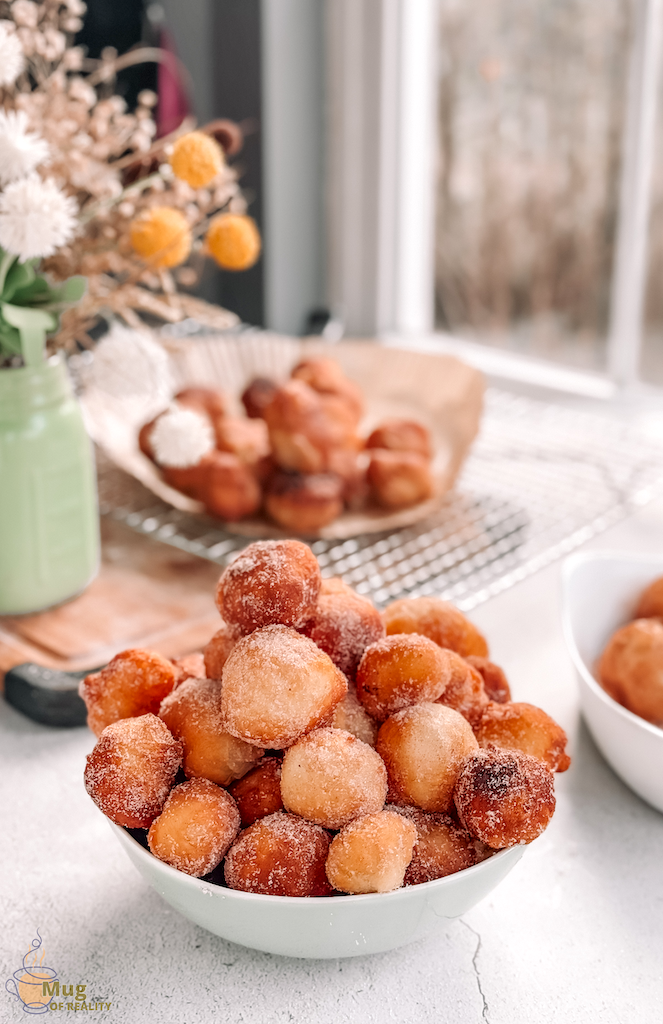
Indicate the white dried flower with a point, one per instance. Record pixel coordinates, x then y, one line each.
130 363
12 58
21 151
181 437
25 12
35 217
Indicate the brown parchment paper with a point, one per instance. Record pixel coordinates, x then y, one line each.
438 390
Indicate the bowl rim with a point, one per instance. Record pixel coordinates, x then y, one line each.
569 567
395 895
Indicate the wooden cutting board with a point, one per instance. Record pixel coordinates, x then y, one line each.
146 595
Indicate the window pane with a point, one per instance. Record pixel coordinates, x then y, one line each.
532 98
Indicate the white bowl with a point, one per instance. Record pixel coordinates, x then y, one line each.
600 593
321 927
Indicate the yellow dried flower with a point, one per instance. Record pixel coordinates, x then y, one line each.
196 159
161 236
233 240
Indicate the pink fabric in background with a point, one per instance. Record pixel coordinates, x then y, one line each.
173 104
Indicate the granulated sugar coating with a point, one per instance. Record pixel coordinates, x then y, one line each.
465 691
277 685
438 620
280 855
271 581
495 682
372 853
527 728
131 770
353 717
197 825
133 683
193 715
399 671
331 777
424 748
217 650
442 848
504 797
343 626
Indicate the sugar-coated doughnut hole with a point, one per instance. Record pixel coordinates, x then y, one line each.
303 502
280 855
193 715
278 685
344 625
191 666
399 479
631 668
230 490
527 728
305 427
352 716
442 848
272 581
133 683
216 652
495 682
465 691
190 480
257 395
438 620
398 671
331 777
650 605
258 793
327 378
195 828
132 769
247 439
423 748
504 797
372 853
401 435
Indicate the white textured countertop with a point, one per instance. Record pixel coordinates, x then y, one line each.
573 935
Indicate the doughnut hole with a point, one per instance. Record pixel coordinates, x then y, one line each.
439 621
195 828
372 853
304 427
258 793
303 502
423 748
442 848
277 685
271 581
650 605
280 855
215 654
399 671
193 715
191 666
245 438
495 682
465 691
330 777
631 668
132 769
400 435
230 490
133 683
399 479
526 728
327 378
144 442
257 395
205 400
504 797
343 626
190 480
351 716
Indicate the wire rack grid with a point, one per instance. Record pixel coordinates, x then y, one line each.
541 480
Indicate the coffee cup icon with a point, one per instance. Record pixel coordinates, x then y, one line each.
27 983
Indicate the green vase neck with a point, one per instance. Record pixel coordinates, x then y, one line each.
27 389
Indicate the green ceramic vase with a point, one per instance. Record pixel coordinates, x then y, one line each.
49 524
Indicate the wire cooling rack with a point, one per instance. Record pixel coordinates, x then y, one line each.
541 480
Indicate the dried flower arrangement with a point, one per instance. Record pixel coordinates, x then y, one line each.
87 190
